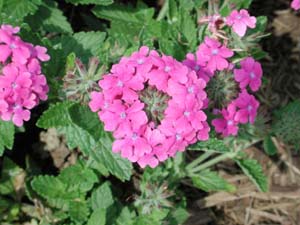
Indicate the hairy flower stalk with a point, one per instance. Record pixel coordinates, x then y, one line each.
80 80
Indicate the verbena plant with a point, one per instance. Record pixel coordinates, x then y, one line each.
134 86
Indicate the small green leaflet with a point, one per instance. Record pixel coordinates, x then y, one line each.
86 2
254 171
16 10
210 181
102 197
84 130
49 18
98 217
213 144
7 135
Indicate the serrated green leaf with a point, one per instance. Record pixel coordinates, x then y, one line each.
78 137
7 135
57 115
254 171
102 197
269 146
116 165
98 217
86 2
10 174
78 211
212 144
126 217
210 181
178 216
18 9
49 18
83 44
78 177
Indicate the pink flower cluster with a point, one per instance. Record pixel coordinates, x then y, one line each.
238 20
22 84
122 111
211 57
295 4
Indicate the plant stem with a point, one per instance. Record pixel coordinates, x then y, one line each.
199 160
163 11
213 161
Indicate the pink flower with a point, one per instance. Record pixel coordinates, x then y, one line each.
214 54
228 125
118 118
198 66
240 21
188 114
22 85
249 74
248 106
121 84
133 146
153 105
295 4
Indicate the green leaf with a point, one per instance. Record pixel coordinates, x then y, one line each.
18 9
98 217
78 177
84 130
254 171
78 211
212 144
57 115
178 216
49 18
7 135
10 175
102 197
269 145
210 181
85 2
83 44
116 165
126 217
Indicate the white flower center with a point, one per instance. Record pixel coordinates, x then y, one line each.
229 122
252 75
12 46
120 84
215 51
197 68
249 107
123 115
167 69
134 136
186 113
140 61
178 137
238 17
191 89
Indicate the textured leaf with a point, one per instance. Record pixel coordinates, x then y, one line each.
254 171
269 146
102 197
83 44
57 115
210 181
78 211
78 177
7 134
18 9
213 144
78 137
116 165
98 217
124 14
85 2
49 18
